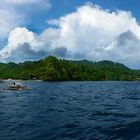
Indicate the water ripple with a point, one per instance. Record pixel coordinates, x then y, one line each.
71 111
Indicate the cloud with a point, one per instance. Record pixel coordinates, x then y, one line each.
20 2
18 40
60 52
25 45
17 37
126 49
14 13
8 21
25 2
53 22
25 53
89 32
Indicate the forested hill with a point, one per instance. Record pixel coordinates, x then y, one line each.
53 69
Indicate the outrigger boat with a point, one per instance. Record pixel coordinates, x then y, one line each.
18 87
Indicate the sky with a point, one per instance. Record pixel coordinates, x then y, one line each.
71 29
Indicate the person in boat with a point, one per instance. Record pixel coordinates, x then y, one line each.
15 86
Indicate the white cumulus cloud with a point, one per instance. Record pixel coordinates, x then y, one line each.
90 32
18 37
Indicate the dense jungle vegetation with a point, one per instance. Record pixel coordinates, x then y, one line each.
54 69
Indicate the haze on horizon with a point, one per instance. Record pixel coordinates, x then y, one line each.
93 30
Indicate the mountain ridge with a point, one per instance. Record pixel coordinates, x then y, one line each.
53 69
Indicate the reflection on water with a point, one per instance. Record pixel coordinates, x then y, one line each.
71 111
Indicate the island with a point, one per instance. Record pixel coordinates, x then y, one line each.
54 69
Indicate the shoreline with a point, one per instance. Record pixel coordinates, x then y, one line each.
72 80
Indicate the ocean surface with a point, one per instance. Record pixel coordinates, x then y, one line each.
71 111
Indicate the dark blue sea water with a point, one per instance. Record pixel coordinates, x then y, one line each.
71 111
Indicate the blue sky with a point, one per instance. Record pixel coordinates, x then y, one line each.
62 7
70 29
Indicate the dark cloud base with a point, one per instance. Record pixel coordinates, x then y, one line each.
25 53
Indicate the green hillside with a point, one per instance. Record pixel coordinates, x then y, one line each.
53 69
